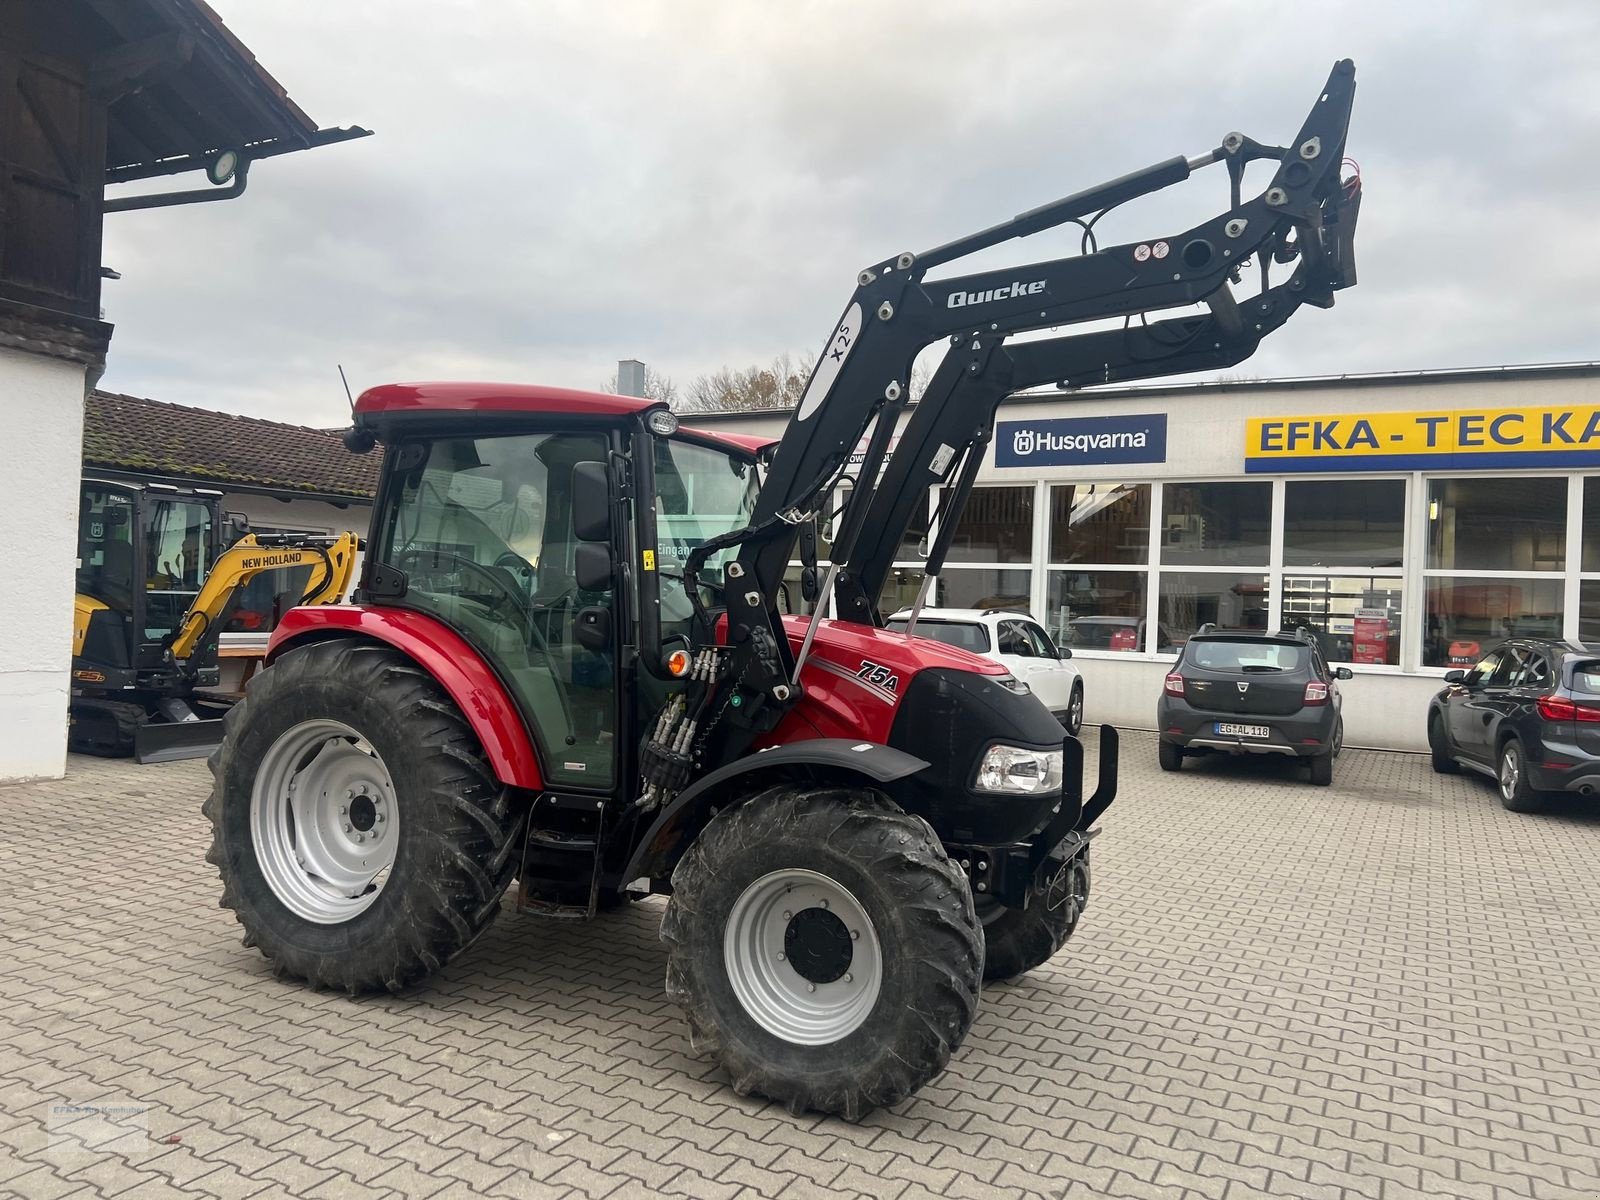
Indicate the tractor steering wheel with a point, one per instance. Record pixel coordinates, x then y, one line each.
519 602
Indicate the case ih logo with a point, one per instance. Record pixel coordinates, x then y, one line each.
1009 292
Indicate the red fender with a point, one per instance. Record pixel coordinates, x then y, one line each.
445 655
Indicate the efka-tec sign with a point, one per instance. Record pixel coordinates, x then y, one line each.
1407 441
1081 441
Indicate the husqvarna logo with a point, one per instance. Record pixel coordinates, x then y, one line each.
1022 442
1010 292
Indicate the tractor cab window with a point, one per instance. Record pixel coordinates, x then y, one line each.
105 547
177 555
700 493
482 529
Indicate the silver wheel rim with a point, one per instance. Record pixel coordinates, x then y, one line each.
324 821
1510 773
1075 711
795 907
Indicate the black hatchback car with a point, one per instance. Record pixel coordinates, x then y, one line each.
1239 692
1528 716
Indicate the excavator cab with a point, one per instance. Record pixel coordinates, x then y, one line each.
143 553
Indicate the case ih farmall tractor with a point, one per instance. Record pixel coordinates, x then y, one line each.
567 661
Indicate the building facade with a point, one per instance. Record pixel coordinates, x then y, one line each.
1412 521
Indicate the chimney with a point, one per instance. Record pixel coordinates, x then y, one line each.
630 378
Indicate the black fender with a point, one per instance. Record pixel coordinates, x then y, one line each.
665 841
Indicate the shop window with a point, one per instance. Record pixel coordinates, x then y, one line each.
1589 610
1100 523
1216 524
983 587
1098 610
996 526
1356 618
1497 524
1591 524
1190 599
1468 617
1344 522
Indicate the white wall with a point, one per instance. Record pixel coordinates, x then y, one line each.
1381 712
41 403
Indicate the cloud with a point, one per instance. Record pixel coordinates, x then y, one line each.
554 187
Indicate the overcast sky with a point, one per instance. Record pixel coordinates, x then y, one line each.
554 186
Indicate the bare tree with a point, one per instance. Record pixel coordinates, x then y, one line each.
779 384
656 386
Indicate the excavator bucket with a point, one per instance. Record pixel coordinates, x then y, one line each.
172 741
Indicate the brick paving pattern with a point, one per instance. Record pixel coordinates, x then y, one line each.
1390 988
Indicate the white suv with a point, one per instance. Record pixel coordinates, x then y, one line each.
1016 640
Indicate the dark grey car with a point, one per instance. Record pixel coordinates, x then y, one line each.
1528 716
1252 693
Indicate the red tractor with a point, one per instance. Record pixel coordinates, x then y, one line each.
569 663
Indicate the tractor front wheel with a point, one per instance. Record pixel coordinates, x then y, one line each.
1018 940
824 948
362 838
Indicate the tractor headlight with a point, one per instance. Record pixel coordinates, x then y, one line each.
1018 770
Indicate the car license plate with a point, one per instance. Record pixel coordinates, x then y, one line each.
1229 729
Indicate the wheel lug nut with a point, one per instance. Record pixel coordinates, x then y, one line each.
787 915
343 809
811 987
380 816
849 978
824 904
360 838
855 935
347 826
780 957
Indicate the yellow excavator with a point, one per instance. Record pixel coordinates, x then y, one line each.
155 587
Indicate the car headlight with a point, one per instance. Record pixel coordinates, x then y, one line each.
1018 770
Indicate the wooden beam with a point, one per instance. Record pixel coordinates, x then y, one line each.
130 67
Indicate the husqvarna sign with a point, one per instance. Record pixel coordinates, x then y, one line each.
1081 441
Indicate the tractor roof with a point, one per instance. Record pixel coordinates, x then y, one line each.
415 399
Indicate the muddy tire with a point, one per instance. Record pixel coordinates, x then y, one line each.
824 949
345 760
1018 940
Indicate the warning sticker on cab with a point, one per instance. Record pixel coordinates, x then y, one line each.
649 560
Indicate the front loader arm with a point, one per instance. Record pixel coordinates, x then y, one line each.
1305 216
332 560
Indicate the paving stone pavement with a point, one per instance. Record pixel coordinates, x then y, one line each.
1389 988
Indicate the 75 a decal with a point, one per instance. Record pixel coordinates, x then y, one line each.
878 675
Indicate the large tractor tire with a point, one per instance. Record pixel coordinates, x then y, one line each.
1018 940
361 836
824 949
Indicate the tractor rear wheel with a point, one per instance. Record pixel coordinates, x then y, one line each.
1018 940
824 948
362 838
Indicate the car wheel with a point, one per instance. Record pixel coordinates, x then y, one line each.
1439 748
1512 777
1169 756
1322 769
1074 721
1338 737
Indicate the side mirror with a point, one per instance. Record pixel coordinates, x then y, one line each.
1065 652
234 527
593 566
1455 676
1343 673
591 502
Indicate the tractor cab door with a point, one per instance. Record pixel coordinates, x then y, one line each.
482 531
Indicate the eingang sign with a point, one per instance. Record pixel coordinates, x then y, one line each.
1081 441
1411 441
